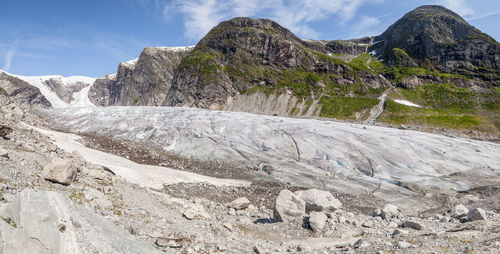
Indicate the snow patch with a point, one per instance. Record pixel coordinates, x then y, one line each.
407 103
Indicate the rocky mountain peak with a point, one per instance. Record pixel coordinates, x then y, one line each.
435 38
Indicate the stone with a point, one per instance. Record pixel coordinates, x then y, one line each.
361 244
399 232
289 207
458 211
169 242
229 226
14 240
258 250
240 203
367 224
403 245
4 131
389 211
64 227
317 221
4 153
413 225
61 171
476 214
445 219
194 212
319 200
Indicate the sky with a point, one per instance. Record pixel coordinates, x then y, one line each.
91 37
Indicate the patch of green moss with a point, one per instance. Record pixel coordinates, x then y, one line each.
201 61
345 107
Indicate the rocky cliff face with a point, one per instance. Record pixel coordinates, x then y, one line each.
437 39
243 54
21 91
144 81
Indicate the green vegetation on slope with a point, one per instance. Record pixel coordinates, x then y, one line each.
345 107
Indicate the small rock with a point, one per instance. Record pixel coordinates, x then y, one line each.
476 214
4 153
319 200
289 207
168 242
228 226
399 232
367 224
61 171
458 211
258 250
403 245
195 211
361 244
240 203
438 217
317 221
445 219
412 224
389 211
4 131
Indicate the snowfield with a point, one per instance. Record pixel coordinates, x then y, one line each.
81 98
295 147
407 103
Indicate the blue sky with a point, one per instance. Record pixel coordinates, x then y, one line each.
91 37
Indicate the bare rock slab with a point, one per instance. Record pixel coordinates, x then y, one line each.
319 200
61 171
289 207
64 227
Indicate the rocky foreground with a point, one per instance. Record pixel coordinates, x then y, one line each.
55 201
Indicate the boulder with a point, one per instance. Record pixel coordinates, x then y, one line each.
240 203
318 200
61 226
195 211
476 214
289 207
389 211
61 171
412 224
4 153
445 219
317 221
169 242
4 131
458 211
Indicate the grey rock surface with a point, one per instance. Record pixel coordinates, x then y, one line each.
289 207
63 227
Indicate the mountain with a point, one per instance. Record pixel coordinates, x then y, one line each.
429 70
437 39
245 55
142 81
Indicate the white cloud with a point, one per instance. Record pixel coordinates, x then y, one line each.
8 60
458 6
365 26
201 15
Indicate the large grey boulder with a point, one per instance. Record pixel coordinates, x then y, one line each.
389 211
61 226
289 207
319 200
61 171
458 211
476 214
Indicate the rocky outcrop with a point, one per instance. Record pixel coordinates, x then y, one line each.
22 92
141 82
435 38
242 54
289 207
48 222
65 91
